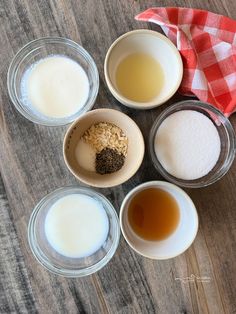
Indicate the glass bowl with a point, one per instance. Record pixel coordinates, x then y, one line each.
62 265
37 50
227 138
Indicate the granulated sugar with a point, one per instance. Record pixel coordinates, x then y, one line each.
187 145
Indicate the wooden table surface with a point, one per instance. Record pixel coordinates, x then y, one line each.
31 165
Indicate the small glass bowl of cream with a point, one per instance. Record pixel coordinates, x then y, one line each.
52 81
73 231
192 144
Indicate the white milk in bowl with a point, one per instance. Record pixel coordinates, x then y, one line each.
55 86
76 225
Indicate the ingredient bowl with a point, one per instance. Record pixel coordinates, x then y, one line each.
135 151
149 43
62 265
177 242
31 54
226 136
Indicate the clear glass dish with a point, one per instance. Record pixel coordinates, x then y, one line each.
37 50
60 264
227 137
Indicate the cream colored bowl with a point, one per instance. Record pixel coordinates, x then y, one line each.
134 155
177 242
151 43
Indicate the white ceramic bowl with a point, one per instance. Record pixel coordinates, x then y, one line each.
178 241
154 44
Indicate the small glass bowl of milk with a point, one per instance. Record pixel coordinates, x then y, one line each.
52 81
73 231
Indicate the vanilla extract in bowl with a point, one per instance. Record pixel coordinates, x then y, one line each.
153 214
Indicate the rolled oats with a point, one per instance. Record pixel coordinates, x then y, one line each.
106 135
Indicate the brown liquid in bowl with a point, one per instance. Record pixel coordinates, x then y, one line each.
153 214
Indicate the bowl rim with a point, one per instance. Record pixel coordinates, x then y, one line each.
142 105
68 272
157 183
127 176
32 45
206 106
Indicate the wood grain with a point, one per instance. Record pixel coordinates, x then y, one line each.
31 165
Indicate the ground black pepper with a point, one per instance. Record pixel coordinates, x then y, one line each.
109 161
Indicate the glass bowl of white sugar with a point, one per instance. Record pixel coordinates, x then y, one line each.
52 81
192 144
73 231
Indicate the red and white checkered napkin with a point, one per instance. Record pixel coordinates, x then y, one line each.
207 44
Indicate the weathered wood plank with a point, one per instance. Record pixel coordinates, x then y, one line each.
16 293
31 165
